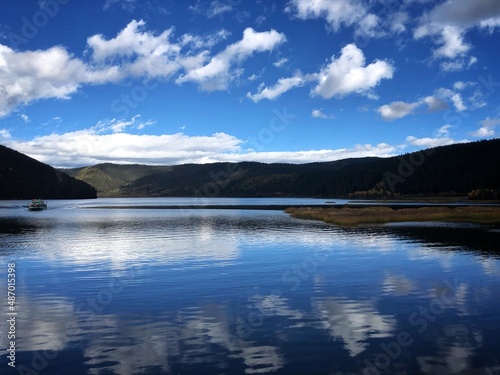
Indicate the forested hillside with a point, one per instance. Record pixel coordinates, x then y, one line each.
448 170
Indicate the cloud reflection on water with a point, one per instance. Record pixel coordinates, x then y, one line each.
344 297
354 322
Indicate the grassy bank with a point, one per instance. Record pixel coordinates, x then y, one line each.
350 216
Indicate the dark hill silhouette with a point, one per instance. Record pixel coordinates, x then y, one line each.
22 177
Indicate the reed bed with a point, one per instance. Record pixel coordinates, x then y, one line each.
352 216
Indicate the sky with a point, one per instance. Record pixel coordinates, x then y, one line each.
172 82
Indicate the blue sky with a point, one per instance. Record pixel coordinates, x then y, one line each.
171 82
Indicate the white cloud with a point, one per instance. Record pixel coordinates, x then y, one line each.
318 113
283 85
119 126
444 131
460 85
203 41
91 146
32 75
128 5
458 102
399 21
466 13
435 104
396 110
458 64
456 98
25 117
491 24
137 52
452 42
105 142
216 8
483 132
344 75
442 99
348 74
217 73
280 62
309 156
337 13
212 9
476 100
490 122
487 128
432 142
449 21
5 135
55 73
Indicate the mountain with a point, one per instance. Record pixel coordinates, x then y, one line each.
25 178
447 170
108 179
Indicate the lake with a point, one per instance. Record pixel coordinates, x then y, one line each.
226 291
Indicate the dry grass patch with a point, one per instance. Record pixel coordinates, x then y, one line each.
350 216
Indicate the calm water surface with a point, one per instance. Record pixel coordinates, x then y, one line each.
146 291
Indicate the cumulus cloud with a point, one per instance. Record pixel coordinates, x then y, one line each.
107 142
134 52
435 104
487 128
349 74
460 85
449 21
216 74
460 98
483 132
132 42
398 22
396 110
455 97
452 41
55 73
5 135
91 146
338 13
32 75
466 13
318 113
345 75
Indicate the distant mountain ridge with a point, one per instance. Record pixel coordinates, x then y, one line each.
22 177
451 170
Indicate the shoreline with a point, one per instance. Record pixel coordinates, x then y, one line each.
284 207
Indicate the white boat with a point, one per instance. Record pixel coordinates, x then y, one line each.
37 205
